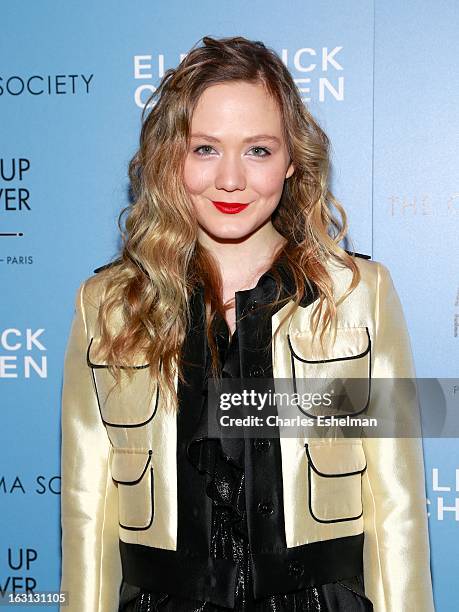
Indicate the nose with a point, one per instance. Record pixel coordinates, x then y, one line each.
230 174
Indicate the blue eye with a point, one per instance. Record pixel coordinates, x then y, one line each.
199 152
266 151
202 147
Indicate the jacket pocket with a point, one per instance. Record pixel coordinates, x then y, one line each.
133 402
335 480
132 470
341 370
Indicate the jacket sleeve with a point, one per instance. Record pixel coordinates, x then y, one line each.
396 549
91 565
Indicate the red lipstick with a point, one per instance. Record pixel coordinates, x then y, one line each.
229 208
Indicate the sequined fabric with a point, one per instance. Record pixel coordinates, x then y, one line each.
223 466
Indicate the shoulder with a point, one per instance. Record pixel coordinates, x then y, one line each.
373 275
362 255
367 267
107 266
93 287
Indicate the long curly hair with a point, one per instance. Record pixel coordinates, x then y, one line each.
161 260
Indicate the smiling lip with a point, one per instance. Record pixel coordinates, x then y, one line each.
229 208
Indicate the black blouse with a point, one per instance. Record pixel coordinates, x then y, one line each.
221 462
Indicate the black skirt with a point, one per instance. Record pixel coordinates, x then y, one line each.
229 540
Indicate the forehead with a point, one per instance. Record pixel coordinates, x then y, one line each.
237 105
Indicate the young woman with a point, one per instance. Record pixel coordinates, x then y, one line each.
231 266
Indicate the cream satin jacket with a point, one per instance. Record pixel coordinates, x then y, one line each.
127 502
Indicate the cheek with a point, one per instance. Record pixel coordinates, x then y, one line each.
194 177
268 181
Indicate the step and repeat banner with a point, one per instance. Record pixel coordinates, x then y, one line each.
380 77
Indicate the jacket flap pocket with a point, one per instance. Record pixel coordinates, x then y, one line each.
138 360
350 343
129 465
335 481
340 372
132 470
337 459
131 403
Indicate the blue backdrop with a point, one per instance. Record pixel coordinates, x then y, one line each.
381 78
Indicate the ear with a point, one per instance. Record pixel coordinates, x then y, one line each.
290 170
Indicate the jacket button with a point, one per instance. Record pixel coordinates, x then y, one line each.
256 371
252 305
262 445
265 508
295 569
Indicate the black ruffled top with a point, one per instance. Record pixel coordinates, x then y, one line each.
221 461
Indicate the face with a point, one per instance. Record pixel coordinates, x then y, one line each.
237 155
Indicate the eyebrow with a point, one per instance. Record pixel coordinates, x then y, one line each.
249 139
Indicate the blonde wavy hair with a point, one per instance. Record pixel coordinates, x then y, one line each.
161 260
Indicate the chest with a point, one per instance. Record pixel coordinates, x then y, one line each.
263 346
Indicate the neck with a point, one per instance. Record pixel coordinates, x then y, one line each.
242 261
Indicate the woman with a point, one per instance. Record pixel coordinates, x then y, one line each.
231 267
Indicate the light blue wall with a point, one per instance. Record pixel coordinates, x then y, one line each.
394 138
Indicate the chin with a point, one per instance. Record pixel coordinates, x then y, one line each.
228 231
